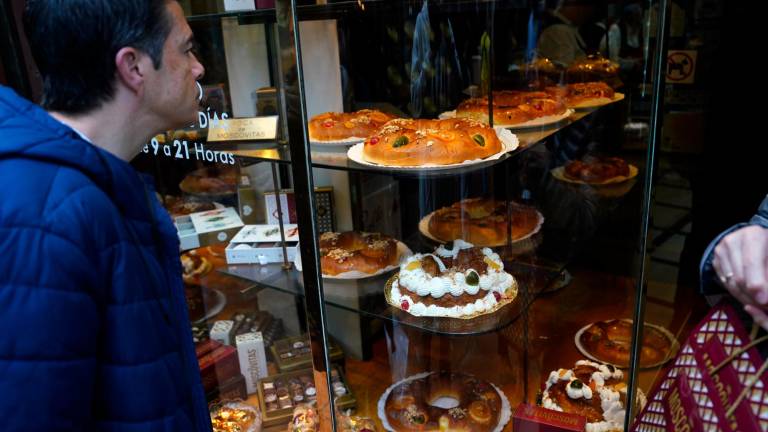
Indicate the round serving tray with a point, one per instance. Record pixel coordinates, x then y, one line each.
616 187
346 142
540 122
592 104
504 416
673 347
501 316
424 230
403 251
559 173
508 140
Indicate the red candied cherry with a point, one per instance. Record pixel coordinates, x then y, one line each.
328 123
497 296
373 141
404 305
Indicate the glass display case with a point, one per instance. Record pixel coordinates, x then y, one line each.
423 214
433 212
517 246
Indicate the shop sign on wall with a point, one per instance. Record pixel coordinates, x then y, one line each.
681 66
239 5
184 149
244 129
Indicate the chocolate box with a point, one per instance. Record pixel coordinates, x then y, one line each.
294 353
280 415
262 244
232 389
218 366
203 348
252 357
532 418
207 228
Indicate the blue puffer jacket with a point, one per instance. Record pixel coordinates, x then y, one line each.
95 328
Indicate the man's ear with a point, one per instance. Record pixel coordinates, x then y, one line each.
131 67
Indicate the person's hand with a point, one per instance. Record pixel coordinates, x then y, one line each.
741 264
759 315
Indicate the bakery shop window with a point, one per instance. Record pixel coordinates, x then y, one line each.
477 209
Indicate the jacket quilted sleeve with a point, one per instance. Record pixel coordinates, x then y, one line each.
95 331
49 315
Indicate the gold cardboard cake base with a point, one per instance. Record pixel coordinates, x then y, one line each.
503 313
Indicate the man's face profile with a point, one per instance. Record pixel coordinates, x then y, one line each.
171 91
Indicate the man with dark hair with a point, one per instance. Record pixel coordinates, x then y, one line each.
97 335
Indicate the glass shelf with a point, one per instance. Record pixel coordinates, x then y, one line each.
273 276
262 151
336 157
366 296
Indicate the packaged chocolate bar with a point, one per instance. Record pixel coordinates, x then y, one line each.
250 321
222 331
203 348
252 358
218 366
232 389
531 418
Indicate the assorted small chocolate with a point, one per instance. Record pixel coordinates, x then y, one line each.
295 389
294 353
271 328
283 393
296 349
339 388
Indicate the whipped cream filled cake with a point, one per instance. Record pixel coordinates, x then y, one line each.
457 281
593 390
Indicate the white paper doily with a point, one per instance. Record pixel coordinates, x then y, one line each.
537 122
335 143
509 142
504 416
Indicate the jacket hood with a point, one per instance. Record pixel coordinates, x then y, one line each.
28 132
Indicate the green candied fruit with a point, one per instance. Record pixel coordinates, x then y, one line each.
479 140
400 141
472 278
577 384
419 419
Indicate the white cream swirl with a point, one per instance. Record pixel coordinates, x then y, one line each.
608 372
458 245
416 280
417 308
559 375
576 391
610 396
